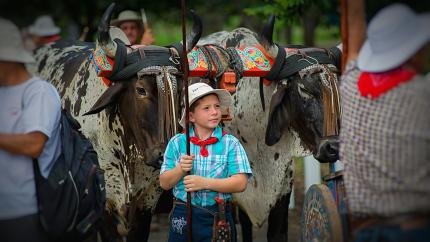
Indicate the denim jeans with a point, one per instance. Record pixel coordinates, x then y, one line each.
202 220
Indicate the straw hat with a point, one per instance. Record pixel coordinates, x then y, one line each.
394 35
43 26
198 90
11 45
126 15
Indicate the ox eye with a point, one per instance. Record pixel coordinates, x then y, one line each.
141 91
303 91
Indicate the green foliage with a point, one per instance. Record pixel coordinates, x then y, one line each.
290 11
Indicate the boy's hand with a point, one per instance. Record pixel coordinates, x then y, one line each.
195 183
186 163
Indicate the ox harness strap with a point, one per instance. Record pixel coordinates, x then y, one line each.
287 66
274 73
127 65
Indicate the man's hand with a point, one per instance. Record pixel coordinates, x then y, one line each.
195 183
147 37
186 163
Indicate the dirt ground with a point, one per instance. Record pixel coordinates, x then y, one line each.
160 225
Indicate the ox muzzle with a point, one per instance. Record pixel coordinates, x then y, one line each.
328 149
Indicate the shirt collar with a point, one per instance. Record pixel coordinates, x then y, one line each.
216 133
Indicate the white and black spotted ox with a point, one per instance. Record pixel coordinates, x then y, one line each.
132 119
293 125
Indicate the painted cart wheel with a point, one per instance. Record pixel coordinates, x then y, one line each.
320 220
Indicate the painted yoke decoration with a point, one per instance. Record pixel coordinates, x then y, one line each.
256 63
254 60
103 64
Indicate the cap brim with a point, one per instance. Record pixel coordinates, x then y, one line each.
117 22
20 56
224 100
46 32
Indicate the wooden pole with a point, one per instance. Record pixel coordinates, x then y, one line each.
186 73
344 31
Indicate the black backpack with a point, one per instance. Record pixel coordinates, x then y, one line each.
71 200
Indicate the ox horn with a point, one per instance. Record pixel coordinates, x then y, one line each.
104 40
267 33
266 37
196 32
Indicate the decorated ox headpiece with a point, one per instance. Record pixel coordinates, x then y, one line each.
122 62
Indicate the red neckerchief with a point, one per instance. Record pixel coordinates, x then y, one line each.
52 38
374 84
203 143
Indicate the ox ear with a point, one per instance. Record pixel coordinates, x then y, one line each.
277 117
107 98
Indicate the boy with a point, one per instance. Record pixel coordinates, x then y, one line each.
218 164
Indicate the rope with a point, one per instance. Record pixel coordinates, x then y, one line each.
330 95
172 99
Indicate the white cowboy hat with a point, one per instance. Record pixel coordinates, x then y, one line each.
43 26
126 15
198 90
394 35
11 45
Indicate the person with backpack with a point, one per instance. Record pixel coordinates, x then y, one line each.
30 111
218 165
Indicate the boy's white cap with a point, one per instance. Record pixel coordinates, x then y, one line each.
11 45
198 90
43 26
394 35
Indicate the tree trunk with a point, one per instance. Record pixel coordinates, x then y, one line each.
310 21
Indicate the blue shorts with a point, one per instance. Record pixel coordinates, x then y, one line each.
203 219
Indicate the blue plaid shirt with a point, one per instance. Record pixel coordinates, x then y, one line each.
226 158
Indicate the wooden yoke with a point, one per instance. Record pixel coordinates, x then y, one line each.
254 62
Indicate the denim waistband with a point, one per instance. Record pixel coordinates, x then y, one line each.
211 209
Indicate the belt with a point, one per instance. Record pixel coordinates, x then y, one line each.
228 204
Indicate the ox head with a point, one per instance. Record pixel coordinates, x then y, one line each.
144 91
306 97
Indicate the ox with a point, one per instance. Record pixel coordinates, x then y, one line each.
292 127
132 122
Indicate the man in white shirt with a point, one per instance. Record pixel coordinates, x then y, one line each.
30 111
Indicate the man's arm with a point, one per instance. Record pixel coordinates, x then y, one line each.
30 144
